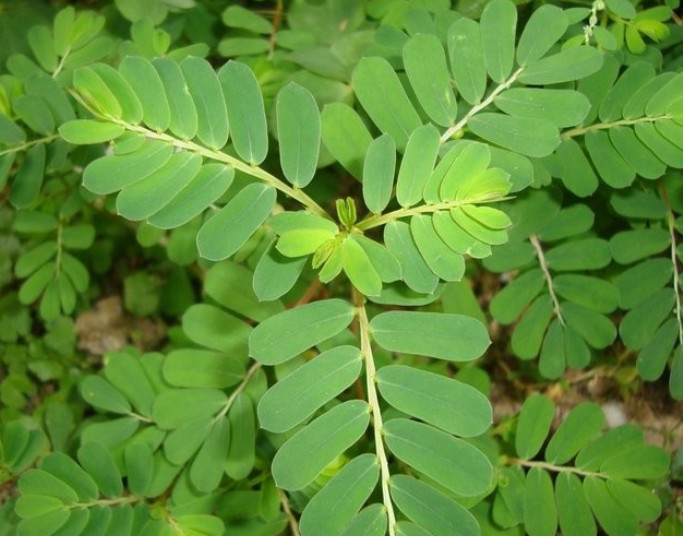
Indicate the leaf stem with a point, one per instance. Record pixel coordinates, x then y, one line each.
60 246
373 400
240 388
549 280
477 108
578 131
107 502
293 525
26 145
674 261
376 220
552 467
62 62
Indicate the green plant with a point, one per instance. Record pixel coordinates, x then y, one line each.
324 383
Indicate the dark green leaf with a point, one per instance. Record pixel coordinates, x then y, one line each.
451 462
424 60
540 512
544 28
29 177
533 426
379 91
183 112
201 368
498 28
205 89
301 393
466 57
431 509
378 173
204 188
298 128
570 64
582 424
444 402
241 217
531 137
335 506
146 83
317 445
444 336
416 273
246 112
345 136
283 336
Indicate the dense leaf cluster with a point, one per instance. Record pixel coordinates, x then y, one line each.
332 187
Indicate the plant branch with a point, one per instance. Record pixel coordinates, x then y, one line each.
293 525
373 400
477 108
551 467
376 220
26 145
674 261
578 131
549 280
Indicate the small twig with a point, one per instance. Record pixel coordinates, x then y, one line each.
602 126
309 294
551 467
245 381
549 280
476 109
277 21
674 260
293 524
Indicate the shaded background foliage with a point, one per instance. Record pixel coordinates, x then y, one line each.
179 353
